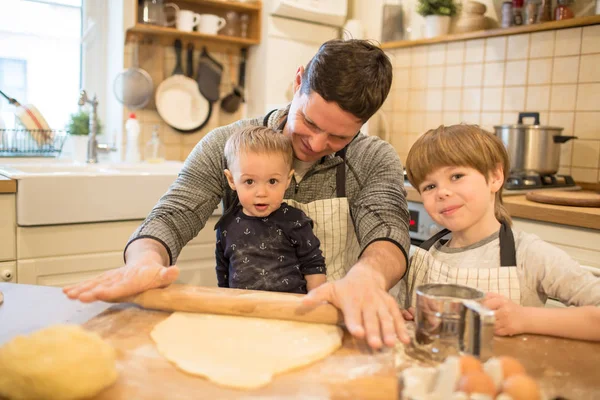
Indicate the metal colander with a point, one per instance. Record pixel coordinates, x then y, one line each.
133 87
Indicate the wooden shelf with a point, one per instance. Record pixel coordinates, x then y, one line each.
569 23
165 36
231 5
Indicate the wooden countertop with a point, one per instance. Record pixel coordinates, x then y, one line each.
563 367
519 206
7 185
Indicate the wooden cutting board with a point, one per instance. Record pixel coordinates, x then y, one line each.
565 198
354 371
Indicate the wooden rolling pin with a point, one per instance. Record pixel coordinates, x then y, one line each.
239 302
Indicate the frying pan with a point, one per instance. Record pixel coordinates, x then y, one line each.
179 101
231 102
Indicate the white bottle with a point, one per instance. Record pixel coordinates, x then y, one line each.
132 126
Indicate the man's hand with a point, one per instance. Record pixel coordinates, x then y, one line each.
509 315
145 269
122 282
369 311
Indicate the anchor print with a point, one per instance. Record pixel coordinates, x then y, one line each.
320 269
297 223
309 243
285 210
279 231
265 219
297 267
224 233
281 258
245 260
263 272
294 241
233 246
225 276
286 281
247 231
237 219
262 246
235 275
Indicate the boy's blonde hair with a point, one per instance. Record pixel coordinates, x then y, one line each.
260 140
461 146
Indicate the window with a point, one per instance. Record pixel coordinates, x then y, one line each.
40 57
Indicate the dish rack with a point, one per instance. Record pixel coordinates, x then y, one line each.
31 142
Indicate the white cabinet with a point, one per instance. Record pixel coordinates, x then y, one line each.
66 254
580 243
286 45
8 272
8 226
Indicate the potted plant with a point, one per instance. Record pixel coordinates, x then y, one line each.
78 129
437 15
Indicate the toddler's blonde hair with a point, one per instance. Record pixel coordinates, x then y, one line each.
258 140
459 146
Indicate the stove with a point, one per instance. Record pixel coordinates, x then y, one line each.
523 183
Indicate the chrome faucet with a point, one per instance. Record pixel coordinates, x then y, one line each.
93 145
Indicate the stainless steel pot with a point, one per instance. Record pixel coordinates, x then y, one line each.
532 148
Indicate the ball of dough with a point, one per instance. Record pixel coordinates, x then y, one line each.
60 362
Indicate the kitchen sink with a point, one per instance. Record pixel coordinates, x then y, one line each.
51 193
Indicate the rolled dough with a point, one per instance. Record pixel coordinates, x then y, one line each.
242 352
61 362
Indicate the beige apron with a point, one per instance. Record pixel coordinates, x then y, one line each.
333 226
424 268
332 223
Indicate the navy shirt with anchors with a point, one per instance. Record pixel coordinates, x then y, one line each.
267 253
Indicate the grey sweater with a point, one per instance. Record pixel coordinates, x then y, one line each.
374 187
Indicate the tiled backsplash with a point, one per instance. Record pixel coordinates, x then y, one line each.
488 81
159 62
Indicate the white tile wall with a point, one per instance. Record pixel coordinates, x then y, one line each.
473 75
565 69
489 81
493 74
589 70
540 71
568 42
518 47
454 75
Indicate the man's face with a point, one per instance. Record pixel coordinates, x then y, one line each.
317 127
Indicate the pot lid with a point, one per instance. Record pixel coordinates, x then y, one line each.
526 126
536 124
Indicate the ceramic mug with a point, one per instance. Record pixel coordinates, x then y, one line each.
187 20
211 24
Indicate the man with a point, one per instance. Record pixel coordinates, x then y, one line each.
343 179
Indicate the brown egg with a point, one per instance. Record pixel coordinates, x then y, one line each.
511 366
477 382
521 387
469 364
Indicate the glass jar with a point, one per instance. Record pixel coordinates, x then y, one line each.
563 10
232 26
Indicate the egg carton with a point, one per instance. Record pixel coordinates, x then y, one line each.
465 378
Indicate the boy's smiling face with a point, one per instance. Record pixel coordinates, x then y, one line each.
260 180
460 199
